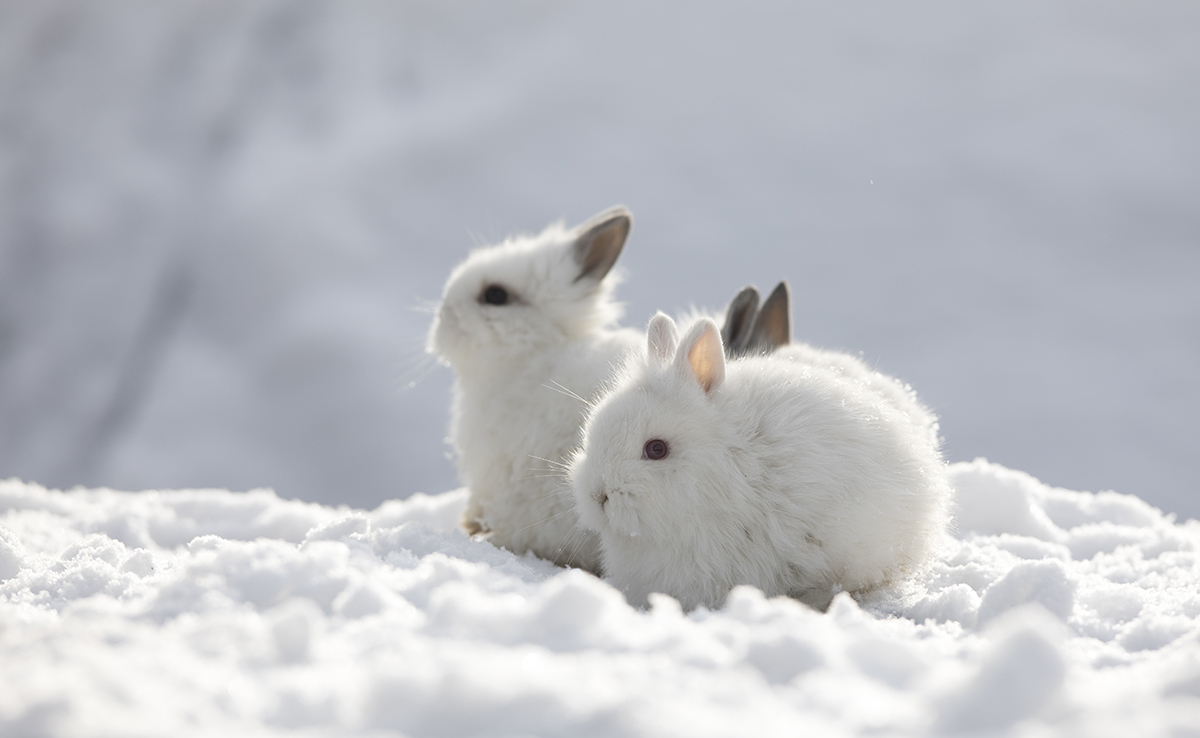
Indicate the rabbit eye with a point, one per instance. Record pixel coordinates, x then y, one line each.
494 295
655 449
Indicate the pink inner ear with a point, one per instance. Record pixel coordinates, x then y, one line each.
707 360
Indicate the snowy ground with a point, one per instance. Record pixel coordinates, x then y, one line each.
209 612
217 217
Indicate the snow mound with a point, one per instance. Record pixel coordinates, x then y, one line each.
204 612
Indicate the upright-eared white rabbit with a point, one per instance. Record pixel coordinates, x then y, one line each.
529 328
750 331
797 477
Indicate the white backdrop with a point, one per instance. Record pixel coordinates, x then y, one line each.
219 221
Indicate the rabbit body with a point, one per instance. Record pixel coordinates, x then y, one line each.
797 477
512 430
527 359
899 395
749 330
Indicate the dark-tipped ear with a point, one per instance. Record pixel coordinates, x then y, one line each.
600 242
773 324
739 321
701 355
662 338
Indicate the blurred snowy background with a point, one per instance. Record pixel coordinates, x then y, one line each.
219 220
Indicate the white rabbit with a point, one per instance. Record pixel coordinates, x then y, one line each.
528 327
793 477
750 331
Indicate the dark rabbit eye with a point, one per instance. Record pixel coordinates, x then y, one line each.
495 295
655 449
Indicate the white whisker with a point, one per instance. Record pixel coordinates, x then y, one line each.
427 307
543 521
564 391
556 464
418 366
578 532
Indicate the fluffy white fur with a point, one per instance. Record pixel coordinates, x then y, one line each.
796 476
524 373
894 392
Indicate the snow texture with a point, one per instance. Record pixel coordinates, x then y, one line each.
207 612
217 217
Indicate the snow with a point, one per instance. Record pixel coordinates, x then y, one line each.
217 218
220 223
206 612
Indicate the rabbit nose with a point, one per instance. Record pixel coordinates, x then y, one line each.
601 496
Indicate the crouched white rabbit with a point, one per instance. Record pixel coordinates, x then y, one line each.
797 477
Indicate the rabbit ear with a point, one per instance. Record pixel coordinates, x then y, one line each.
662 338
600 242
773 325
701 355
739 319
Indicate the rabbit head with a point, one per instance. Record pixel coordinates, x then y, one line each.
515 299
656 437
